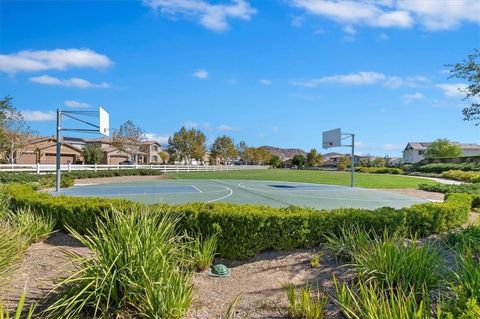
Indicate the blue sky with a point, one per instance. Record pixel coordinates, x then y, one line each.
270 72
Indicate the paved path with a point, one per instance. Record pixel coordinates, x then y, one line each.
442 180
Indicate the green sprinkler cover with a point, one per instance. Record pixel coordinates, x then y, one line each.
219 270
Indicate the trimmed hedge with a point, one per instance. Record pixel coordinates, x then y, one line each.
472 177
379 170
245 230
472 189
23 177
443 167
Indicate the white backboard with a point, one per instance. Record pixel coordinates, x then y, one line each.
104 122
332 138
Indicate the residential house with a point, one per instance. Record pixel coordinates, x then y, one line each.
149 153
111 154
414 151
42 150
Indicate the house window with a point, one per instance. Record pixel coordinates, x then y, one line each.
154 159
421 152
155 148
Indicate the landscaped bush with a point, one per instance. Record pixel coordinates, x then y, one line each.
443 167
472 189
23 177
48 181
472 177
245 230
137 269
379 170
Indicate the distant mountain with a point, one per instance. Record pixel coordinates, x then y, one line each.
284 153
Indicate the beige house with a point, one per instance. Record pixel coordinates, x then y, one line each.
414 151
42 150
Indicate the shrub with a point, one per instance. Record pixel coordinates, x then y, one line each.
32 226
315 260
48 181
443 167
472 177
466 287
137 267
301 303
204 251
472 189
408 267
347 242
24 177
369 300
467 238
12 247
245 230
379 170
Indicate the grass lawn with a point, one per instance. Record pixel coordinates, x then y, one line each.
319 177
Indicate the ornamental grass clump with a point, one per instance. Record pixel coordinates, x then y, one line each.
203 251
404 266
305 302
138 268
33 226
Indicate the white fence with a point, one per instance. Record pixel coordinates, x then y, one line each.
45 168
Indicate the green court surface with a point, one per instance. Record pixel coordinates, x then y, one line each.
272 193
310 176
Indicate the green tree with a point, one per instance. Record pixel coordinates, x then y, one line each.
128 138
298 160
92 154
469 70
15 133
442 148
223 149
275 161
314 159
164 157
261 156
343 163
188 144
379 162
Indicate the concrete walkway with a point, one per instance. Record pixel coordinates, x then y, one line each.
442 180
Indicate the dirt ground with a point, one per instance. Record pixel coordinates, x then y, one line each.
43 266
431 196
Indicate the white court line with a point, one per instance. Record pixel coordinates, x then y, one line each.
329 197
196 188
226 196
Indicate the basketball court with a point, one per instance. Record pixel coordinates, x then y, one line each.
271 193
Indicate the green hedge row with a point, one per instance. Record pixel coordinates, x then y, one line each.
443 167
472 189
23 177
471 177
379 170
245 230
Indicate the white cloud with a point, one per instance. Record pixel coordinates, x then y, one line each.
201 74
265 82
72 103
413 97
350 30
226 128
383 37
365 78
297 21
39 116
452 90
393 147
359 78
433 15
59 59
160 138
442 15
192 124
72 82
211 16
363 12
